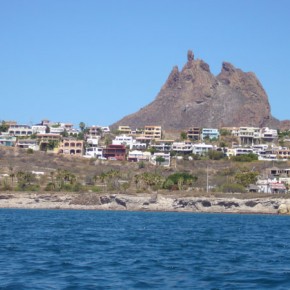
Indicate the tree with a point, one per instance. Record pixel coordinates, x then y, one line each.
178 180
64 133
148 180
225 132
159 160
111 179
65 180
82 126
25 180
81 136
183 135
52 144
141 165
246 178
4 127
215 155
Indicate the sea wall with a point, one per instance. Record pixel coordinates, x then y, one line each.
144 202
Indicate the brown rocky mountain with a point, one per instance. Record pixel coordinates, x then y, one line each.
195 97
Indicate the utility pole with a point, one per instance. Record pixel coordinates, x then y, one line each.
206 178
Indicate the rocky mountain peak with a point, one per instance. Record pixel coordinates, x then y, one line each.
195 97
190 56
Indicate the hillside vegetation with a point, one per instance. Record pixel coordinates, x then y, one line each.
22 170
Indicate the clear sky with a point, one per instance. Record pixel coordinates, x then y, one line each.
97 61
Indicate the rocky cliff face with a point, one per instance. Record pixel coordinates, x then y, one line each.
195 97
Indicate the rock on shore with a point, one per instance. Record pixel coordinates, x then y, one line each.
144 202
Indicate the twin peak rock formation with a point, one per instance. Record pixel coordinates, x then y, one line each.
195 97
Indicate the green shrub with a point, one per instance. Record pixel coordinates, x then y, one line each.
50 187
95 189
141 165
215 155
232 187
27 187
5 185
245 157
168 184
179 180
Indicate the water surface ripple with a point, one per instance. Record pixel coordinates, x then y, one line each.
61 249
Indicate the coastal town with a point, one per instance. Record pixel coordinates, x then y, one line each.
154 146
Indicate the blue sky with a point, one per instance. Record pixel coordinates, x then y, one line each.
97 61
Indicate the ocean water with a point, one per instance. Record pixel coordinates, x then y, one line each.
67 249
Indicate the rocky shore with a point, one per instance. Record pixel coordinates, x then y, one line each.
144 202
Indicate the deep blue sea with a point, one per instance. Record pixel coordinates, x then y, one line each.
70 249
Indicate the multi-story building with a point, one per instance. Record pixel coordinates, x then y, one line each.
56 130
152 132
117 152
125 129
71 146
193 133
48 138
249 135
269 135
95 130
94 152
182 147
39 129
138 145
130 142
6 140
93 141
209 133
242 151
201 148
162 145
123 140
137 155
20 130
27 144
283 153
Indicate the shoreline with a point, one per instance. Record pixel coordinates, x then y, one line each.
155 202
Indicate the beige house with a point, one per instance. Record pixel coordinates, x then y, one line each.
125 129
70 146
152 132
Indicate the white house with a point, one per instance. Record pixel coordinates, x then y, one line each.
137 155
93 141
271 186
93 152
27 144
130 142
269 135
56 130
201 148
20 130
182 147
38 129
242 151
